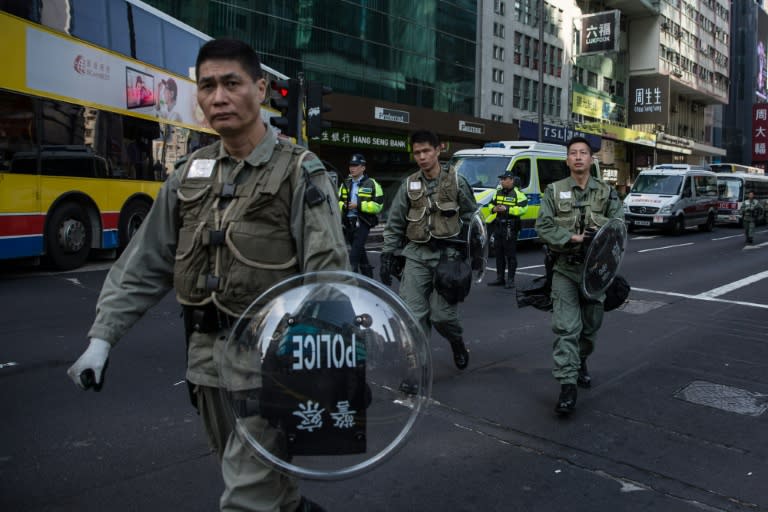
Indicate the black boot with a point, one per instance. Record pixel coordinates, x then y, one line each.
566 402
366 270
497 282
584 380
460 354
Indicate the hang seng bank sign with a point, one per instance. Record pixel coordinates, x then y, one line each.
364 140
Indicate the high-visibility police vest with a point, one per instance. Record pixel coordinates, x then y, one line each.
434 215
570 212
230 255
515 201
370 199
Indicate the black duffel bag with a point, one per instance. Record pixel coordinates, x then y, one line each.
453 279
617 293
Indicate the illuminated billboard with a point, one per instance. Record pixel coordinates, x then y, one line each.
761 54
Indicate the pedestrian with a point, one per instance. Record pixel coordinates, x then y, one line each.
751 211
427 218
360 200
232 220
572 209
508 205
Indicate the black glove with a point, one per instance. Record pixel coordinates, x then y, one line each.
387 262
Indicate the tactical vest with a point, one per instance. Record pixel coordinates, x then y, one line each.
433 215
569 211
366 191
234 237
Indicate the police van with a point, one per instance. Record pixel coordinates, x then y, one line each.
535 165
673 197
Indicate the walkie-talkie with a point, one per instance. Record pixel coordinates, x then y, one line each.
313 196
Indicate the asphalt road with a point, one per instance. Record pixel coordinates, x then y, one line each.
675 420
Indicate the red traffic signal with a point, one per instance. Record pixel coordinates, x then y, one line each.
288 101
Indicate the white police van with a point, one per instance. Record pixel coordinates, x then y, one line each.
673 197
535 165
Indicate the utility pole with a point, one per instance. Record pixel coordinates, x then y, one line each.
540 91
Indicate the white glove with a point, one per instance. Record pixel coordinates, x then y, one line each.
89 368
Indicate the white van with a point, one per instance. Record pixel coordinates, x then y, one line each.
535 164
673 197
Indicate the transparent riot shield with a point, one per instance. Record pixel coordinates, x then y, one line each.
478 243
603 258
326 374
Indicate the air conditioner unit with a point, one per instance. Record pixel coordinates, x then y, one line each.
677 72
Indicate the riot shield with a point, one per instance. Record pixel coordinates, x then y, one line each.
478 242
603 258
326 374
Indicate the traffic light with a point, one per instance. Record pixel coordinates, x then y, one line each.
316 109
286 99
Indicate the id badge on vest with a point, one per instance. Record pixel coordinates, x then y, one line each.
201 168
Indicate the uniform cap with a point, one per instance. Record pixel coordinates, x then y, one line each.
507 174
357 159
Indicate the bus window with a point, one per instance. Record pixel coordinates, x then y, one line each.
75 166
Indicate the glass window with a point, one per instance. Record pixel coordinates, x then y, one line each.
592 79
148 38
17 134
180 49
550 171
522 170
89 21
119 31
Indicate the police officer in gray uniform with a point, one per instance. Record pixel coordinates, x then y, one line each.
237 217
430 209
572 209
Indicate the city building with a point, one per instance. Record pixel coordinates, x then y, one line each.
743 138
394 66
646 78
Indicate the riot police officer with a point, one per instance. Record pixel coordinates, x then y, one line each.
751 210
508 205
360 200
427 214
235 218
571 209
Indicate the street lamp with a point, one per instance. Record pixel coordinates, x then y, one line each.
540 88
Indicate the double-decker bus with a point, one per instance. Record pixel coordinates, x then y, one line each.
95 109
726 167
732 189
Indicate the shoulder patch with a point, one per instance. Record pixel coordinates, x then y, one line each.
312 164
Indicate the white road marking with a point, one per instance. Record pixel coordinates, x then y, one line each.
727 288
727 237
9 363
750 247
699 297
665 247
645 237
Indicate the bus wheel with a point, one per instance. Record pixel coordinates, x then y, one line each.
68 236
131 218
709 225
